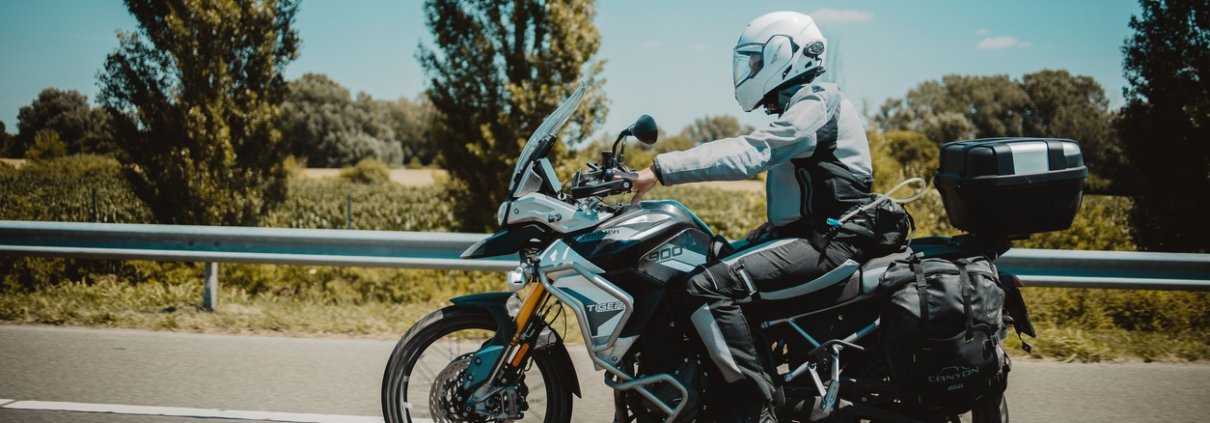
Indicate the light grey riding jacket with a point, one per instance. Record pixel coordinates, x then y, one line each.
818 116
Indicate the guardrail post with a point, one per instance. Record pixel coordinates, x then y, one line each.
210 299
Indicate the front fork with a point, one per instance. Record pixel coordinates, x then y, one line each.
525 330
479 375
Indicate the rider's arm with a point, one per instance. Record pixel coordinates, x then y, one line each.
793 135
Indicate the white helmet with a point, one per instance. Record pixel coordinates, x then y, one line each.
777 50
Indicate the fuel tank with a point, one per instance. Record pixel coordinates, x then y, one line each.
658 238
643 249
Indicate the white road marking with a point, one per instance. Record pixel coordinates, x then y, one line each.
190 412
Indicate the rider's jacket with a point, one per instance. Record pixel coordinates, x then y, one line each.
816 153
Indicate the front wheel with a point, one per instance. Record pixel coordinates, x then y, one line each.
426 368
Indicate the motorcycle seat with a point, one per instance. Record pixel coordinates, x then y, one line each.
846 282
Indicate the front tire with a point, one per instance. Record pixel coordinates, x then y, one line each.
418 375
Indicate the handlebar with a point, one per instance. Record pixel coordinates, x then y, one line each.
602 183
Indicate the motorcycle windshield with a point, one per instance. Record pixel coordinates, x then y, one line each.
550 126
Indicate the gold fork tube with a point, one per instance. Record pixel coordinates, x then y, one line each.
532 301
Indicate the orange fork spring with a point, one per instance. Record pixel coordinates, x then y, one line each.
528 308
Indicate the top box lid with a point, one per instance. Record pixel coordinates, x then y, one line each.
1008 156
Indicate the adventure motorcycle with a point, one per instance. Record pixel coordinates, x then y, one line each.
497 357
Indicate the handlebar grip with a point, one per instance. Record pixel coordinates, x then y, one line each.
607 187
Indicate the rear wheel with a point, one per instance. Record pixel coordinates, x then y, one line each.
990 410
426 368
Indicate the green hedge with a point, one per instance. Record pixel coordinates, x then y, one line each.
1088 325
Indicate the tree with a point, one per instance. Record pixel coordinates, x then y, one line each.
498 69
6 140
959 107
1165 125
1047 103
194 97
81 128
708 129
412 122
322 124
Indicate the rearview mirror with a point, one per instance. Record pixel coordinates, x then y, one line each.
645 130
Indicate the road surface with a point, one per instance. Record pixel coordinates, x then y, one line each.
127 372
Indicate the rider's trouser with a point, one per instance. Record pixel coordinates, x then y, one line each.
711 290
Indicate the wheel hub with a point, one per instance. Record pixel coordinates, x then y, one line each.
450 402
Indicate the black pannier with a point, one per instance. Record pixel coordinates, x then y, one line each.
1011 186
942 325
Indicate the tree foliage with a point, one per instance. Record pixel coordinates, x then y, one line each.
1165 124
6 140
1047 103
412 122
710 128
194 96
497 69
324 125
83 129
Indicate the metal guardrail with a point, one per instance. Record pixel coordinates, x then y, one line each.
432 250
227 244
1108 269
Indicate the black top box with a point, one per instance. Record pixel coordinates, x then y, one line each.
1011 187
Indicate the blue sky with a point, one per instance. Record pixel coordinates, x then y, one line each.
668 59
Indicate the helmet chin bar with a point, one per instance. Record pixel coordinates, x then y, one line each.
776 99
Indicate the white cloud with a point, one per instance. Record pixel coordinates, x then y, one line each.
652 44
1025 44
997 43
982 31
833 15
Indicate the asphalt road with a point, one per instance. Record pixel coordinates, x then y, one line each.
342 377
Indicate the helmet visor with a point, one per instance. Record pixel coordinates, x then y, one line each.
747 62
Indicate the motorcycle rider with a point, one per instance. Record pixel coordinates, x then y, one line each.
819 166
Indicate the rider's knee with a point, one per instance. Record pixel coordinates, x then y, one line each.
713 280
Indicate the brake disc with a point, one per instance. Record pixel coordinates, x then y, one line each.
449 401
445 405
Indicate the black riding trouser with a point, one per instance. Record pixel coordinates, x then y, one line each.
710 293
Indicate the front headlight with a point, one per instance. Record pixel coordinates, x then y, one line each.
502 213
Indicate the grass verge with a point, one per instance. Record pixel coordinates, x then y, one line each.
155 305
177 307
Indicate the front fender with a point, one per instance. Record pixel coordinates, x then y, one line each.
503 306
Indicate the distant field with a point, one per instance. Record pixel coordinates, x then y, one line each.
405 177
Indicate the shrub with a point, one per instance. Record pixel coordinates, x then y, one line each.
47 146
368 171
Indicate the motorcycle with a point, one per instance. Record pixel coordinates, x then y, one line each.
498 356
